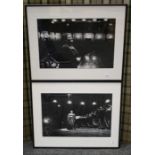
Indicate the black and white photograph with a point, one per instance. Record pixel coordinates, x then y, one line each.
76 43
69 114
70 43
76 114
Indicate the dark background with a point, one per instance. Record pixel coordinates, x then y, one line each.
104 48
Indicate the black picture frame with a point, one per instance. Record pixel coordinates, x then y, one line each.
75 74
39 88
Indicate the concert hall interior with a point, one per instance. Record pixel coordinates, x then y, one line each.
76 43
76 114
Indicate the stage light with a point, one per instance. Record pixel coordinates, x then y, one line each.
78 58
110 24
105 19
88 36
94 58
94 103
78 36
44 34
69 102
73 20
94 20
55 101
99 36
52 35
59 105
82 103
63 20
55 20
57 36
87 58
107 101
69 95
46 120
52 22
109 36
83 20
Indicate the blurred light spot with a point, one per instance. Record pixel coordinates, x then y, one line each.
57 36
69 36
88 36
87 58
69 102
94 20
109 36
78 58
94 58
63 20
55 20
69 95
59 105
99 36
73 20
105 19
94 103
55 101
82 103
52 35
46 120
53 64
107 101
110 24
78 35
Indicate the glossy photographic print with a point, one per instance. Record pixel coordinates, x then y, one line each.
70 43
87 115
76 43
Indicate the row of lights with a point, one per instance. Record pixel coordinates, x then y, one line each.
47 120
77 36
69 102
79 20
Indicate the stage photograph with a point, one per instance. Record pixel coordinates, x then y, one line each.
83 115
76 43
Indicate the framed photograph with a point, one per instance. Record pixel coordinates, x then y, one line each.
76 42
76 114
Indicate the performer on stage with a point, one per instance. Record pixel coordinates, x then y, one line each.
71 120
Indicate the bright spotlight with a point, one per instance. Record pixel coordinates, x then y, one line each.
82 103
94 103
55 101
69 102
78 36
107 101
46 120
78 58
